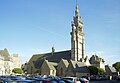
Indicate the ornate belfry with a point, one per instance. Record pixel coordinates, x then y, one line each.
77 37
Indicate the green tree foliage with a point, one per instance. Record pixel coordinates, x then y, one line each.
101 71
17 70
117 66
93 70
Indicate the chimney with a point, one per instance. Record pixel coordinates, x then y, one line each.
53 50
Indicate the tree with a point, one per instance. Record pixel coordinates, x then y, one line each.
117 66
101 71
17 70
93 70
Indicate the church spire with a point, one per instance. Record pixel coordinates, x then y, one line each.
77 10
77 17
77 37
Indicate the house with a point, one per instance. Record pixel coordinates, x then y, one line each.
35 63
48 68
62 67
76 68
97 61
110 70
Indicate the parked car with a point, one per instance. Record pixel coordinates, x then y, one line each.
6 80
83 80
42 80
24 81
67 81
58 80
73 79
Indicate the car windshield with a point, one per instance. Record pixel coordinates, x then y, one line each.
68 78
61 81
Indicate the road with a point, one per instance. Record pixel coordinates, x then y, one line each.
108 81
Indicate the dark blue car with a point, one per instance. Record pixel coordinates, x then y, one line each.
24 81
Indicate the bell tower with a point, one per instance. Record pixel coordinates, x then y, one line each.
77 37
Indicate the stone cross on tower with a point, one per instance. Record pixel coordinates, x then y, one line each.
77 37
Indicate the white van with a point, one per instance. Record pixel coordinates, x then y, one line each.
74 79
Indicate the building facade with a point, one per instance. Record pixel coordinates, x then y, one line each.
8 62
48 68
97 61
62 67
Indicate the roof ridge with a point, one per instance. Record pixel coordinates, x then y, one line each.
54 52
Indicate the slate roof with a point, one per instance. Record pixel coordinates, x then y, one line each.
79 64
112 69
5 54
65 62
96 59
52 65
80 67
38 59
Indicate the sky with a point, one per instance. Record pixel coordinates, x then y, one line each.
30 27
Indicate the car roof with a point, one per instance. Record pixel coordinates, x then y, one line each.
69 77
21 80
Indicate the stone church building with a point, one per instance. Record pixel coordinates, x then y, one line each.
65 63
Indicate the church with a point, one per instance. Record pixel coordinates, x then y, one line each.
68 62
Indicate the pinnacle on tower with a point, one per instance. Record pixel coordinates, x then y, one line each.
77 10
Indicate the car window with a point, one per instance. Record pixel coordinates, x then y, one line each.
68 78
